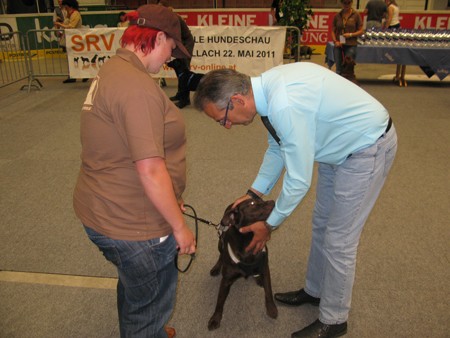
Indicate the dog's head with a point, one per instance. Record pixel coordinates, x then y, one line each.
247 212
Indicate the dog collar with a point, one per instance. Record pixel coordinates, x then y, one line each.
233 256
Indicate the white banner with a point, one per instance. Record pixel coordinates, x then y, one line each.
250 50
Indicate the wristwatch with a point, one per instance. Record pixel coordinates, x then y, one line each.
268 227
253 195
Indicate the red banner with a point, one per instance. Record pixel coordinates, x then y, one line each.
226 18
318 33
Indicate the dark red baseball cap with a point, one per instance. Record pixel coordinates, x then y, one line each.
163 19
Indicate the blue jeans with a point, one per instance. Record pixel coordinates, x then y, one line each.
338 58
147 282
346 194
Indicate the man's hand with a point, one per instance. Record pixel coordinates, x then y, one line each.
261 234
239 200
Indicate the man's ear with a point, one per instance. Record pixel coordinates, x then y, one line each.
239 98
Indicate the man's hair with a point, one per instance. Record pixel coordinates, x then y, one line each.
218 86
143 38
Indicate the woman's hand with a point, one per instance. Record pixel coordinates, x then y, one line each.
184 236
185 240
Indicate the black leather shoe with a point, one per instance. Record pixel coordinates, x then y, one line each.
183 103
296 298
320 330
174 98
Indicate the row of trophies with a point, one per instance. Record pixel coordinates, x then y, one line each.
428 38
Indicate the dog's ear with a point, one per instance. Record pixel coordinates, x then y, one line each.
240 217
229 216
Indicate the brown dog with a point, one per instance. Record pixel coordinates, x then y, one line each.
235 262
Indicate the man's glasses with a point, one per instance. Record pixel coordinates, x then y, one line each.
223 122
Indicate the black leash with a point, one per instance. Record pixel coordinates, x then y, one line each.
193 215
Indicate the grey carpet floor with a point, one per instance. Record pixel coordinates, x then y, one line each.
402 286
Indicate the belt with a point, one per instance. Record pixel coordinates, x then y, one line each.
389 125
387 128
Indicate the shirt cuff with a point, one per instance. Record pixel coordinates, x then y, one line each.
275 219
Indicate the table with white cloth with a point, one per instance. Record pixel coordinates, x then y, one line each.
433 61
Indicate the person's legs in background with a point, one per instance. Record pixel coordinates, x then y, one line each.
350 51
338 58
182 70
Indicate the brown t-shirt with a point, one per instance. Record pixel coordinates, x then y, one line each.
126 117
350 24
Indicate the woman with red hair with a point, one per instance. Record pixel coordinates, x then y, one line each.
133 173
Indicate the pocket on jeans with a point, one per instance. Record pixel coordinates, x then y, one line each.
361 162
103 244
111 254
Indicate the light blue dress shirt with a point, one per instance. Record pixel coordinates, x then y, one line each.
319 116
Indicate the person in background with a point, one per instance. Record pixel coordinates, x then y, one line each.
275 11
129 190
312 115
59 14
376 11
72 20
182 66
123 21
392 20
347 26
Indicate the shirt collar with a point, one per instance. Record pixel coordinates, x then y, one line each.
258 95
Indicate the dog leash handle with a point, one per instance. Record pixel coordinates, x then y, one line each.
196 240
